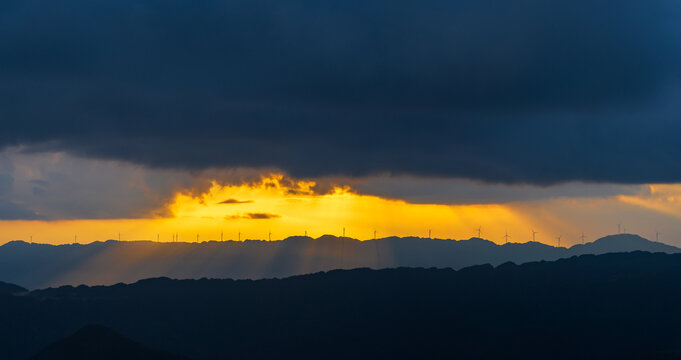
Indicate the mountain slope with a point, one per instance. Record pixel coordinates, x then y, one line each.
6 288
619 306
622 243
101 343
110 262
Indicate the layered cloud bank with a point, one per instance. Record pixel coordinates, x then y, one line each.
515 92
56 198
400 117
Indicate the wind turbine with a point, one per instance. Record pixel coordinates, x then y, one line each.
269 236
507 236
479 231
618 228
558 240
221 235
378 255
657 236
239 235
582 237
343 232
534 233
374 234
429 237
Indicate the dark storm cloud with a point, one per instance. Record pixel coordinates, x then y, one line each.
505 91
10 210
13 211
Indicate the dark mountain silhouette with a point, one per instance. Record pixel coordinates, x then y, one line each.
8 289
622 243
110 262
612 306
95 342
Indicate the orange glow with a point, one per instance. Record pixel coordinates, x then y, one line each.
661 198
284 209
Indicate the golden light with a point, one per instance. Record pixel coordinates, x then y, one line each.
283 208
278 207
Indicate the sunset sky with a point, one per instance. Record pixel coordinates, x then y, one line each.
155 118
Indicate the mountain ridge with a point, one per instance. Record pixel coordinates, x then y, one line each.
110 262
610 306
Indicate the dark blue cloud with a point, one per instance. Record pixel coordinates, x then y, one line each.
11 210
524 91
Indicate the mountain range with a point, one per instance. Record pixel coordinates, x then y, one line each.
110 262
611 306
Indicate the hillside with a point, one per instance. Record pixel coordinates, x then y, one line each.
100 343
111 262
607 306
6 288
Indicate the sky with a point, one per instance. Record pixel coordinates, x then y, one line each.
153 118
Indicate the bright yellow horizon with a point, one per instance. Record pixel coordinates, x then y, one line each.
286 208
256 209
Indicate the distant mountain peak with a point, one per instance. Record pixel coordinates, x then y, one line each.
7 288
623 237
624 243
99 342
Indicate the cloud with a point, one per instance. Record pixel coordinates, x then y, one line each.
254 216
235 201
13 211
457 191
515 92
59 186
54 186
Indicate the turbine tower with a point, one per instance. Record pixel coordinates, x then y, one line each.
583 238
507 236
479 231
429 237
534 233
558 240
657 236
269 236
378 255
221 235
374 234
239 235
